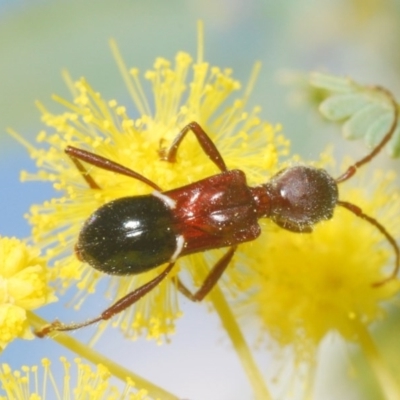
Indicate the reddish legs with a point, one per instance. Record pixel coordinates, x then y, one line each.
78 155
205 142
211 279
116 308
80 167
212 152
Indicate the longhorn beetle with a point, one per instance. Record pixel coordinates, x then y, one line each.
135 234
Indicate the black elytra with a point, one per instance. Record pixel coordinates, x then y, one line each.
128 236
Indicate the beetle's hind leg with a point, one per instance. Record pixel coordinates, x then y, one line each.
121 305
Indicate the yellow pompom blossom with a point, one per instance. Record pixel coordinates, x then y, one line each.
40 383
183 91
301 286
304 286
24 280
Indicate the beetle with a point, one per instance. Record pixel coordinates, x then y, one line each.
135 234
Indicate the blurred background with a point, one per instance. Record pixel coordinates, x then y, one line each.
38 38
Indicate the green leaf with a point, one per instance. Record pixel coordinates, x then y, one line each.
394 144
359 123
365 111
331 83
378 129
342 106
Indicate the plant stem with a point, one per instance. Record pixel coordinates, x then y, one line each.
93 356
387 383
239 343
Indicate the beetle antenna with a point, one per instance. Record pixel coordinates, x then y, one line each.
353 168
359 213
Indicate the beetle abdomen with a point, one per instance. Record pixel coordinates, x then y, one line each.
128 236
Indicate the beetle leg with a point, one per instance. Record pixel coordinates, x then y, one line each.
78 155
211 279
116 308
205 142
84 172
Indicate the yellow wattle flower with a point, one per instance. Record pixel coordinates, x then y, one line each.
301 286
85 383
184 92
24 285
304 286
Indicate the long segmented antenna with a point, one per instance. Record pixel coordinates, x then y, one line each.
359 213
353 169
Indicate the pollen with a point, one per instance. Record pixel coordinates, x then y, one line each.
24 285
